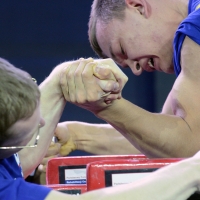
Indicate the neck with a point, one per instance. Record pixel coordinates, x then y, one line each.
180 6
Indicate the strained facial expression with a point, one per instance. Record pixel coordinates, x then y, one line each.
137 43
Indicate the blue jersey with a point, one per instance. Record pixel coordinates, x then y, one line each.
190 27
14 187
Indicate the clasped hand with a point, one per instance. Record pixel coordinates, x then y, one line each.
92 84
85 82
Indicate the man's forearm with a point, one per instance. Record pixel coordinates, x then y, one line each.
155 135
52 104
101 139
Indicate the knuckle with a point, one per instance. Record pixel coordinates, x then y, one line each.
77 73
62 83
85 75
85 61
116 87
105 72
90 59
70 73
109 85
90 64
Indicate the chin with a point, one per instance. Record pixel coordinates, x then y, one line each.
170 70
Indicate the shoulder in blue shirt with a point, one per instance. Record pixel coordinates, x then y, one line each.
189 27
13 186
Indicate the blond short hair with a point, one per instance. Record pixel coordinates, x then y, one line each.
103 11
19 97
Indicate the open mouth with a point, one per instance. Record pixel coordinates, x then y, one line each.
151 63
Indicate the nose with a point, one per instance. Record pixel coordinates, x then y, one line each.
135 67
42 122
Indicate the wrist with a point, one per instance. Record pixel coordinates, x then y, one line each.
51 84
77 132
80 134
109 110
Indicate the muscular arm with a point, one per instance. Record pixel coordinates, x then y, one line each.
172 133
100 139
167 107
52 104
175 134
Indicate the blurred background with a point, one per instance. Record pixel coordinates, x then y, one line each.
38 35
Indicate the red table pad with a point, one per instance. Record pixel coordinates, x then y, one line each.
63 170
107 173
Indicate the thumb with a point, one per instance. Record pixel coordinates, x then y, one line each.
67 148
103 72
65 139
109 85
107 80
62 133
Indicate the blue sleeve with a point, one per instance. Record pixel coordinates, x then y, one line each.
189 27
19 189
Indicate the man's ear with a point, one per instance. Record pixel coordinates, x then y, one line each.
142 6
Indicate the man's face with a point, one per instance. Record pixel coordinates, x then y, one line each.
24 131
138 43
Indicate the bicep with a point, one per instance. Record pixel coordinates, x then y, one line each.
184 99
